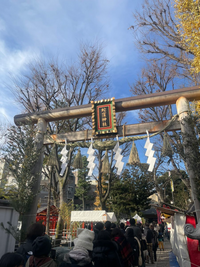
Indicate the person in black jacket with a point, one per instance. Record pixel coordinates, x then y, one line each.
105 251
12 259
149 238
34 230
122 227
136 229
97 229
107 226
154 242
134 244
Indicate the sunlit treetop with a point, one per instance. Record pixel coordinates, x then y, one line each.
188 14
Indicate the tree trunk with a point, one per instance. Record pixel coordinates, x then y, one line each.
59 226
83 203
103 205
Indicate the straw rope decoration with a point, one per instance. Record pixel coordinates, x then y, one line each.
110 144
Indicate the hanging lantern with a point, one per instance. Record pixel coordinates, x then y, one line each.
52 161
134 157
78 164
166 149
105 164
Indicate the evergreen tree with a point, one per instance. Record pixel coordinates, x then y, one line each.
130 192
20 158
84 186
180 195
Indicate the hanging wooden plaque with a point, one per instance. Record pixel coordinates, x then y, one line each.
103 117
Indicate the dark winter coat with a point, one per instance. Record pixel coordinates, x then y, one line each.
74 263
125 250
136 230
26 249
149 236
155 240
109 231
105 253
134 244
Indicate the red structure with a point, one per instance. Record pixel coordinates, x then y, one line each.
53 218
193 245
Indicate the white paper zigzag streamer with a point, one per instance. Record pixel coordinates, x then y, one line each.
91 165
149 153
118 157
64 158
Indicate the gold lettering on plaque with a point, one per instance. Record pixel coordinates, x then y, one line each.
104 118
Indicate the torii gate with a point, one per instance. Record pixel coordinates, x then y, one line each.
180 97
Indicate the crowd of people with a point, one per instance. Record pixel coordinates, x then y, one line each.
108 245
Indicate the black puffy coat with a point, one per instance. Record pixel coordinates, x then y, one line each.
26 249
105 253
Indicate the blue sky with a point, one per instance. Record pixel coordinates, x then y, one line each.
33 29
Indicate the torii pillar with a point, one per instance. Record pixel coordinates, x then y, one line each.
191 153
30 216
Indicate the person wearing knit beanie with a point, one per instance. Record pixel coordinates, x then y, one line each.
41 249
85 240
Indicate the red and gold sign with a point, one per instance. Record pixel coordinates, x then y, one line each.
103 117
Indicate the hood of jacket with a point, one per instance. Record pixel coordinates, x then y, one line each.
79 255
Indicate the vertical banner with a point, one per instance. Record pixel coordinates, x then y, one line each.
171 182
158 216
172 185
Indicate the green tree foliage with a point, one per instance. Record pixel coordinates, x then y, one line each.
84 186
20 159
181 193
130 192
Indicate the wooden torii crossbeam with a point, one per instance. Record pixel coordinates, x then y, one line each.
125 104
123 130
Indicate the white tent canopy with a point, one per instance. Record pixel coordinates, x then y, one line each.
92 216
111 217
137 218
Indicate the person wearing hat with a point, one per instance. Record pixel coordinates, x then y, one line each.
41 248
34 230
81 255
12 259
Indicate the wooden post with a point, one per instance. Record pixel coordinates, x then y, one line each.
30 217
49 204
190 145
